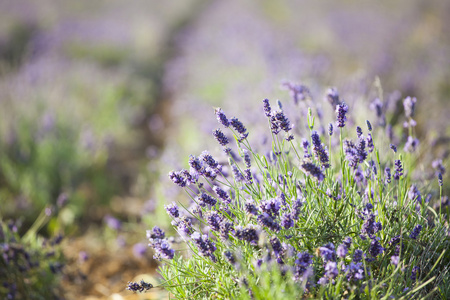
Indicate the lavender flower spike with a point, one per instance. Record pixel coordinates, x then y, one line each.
313 170
267 108
220 137
416 231
398 169
221 117
409 104
330 129
341 111
319 151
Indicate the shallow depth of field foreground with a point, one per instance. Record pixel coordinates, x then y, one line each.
224 149
316 209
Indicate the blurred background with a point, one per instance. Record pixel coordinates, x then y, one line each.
101 99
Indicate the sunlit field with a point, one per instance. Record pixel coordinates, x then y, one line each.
224 150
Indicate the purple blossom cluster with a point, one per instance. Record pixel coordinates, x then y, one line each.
313 170
248 234
160 244
278 120
319 150
140 287
416 231
398 169
205 246
341 111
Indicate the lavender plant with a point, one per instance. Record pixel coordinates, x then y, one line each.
306 220
31 266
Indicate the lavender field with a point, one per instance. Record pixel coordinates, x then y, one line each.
224 149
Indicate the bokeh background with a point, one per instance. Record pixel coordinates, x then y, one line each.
101 99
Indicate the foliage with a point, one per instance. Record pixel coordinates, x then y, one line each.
30 264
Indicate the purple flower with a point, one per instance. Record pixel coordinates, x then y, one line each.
162 249
196 164
319 151
229 256
398 169
395 260
341 111
313 170
414 272
210 161
205 199
178 178
351 154
139 250
331 270
222 194
225 228
342 250
369 126
375 248
268 221
440 180
287 220
250 208
395 240
247 160
296 207
297 91
361 149
357 255
330 129
281 120
112 222
327 252
414 194
184 224
347 242
355 271
267 109
240 128
271 206
213 219
358 131
323 281
155 233
409 104
221 117
370 227
248 233
333 97
139 287
277 248
438 166
411 144
377 105
237 173
205 246
304 259
302 264
387 175
172 210
393 147
248 176
370 145
220 137
416 231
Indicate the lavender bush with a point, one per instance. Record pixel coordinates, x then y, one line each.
334 215
31 265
